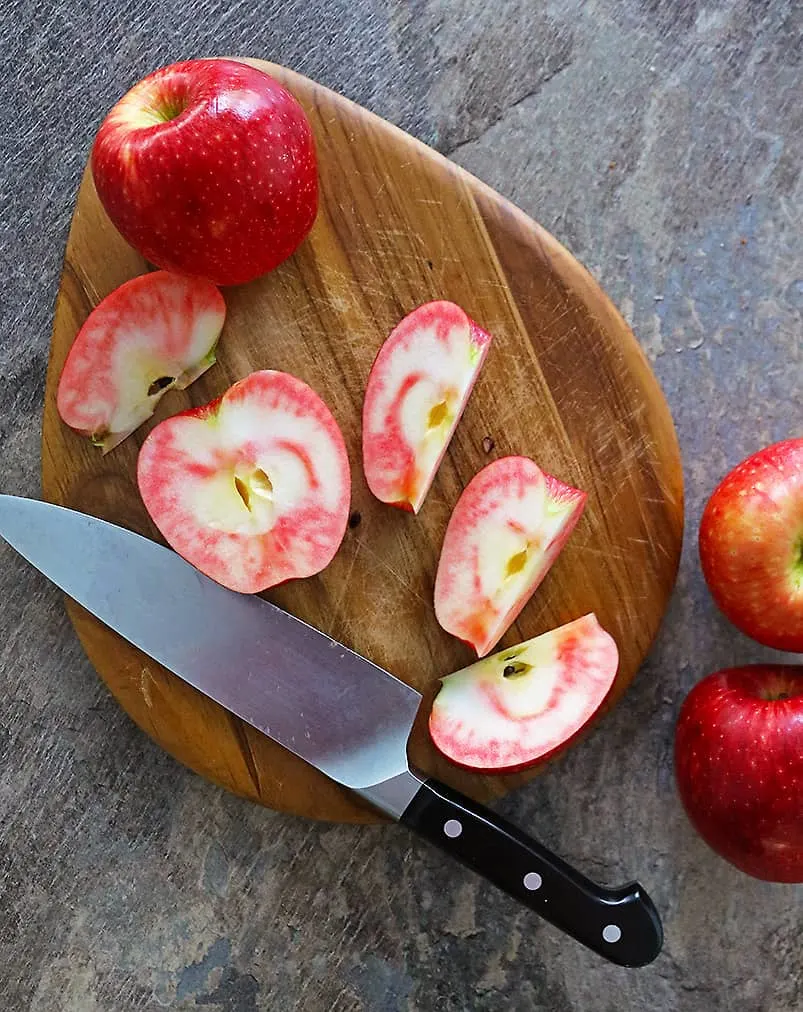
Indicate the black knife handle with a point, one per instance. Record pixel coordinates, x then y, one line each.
620 924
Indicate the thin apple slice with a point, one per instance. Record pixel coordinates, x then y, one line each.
417 390
153 333
509 710
252 489
506 530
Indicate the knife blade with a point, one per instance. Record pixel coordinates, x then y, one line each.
327 704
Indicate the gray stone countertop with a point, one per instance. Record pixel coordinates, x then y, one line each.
662 142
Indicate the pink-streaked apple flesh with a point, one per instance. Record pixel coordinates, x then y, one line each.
739 767
208 167
252 489
153 333
508 527
520 705
417 390
751 545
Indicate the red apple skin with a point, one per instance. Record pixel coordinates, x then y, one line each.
751 545
208 167
739 767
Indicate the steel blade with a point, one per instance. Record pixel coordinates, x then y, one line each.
338 711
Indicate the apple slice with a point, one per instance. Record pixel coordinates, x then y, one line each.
521 704
252 489
417 389
505 532
153 333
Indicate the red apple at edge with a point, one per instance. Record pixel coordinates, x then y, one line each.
208 167
751 545
252 489
739 767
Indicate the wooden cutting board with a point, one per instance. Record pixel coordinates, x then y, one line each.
565 383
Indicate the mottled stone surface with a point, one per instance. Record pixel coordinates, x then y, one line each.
661 141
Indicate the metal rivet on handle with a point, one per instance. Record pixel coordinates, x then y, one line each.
452 828
532 881
611 932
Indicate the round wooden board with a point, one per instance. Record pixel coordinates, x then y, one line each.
565 383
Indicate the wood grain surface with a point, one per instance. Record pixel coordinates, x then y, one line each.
565 382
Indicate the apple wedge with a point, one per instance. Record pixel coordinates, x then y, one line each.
153 333
252 489
509 710
506 530
417 389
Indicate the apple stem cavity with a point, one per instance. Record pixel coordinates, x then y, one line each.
171 109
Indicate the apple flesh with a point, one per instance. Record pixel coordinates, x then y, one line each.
518 706
751 545
506 530
252 489
739 767
417 390
151 334
208 167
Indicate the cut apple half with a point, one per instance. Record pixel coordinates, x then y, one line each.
417 390
153 333
506 530
252 489
509 710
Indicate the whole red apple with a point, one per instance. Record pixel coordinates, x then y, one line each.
751 545
739 767
208 167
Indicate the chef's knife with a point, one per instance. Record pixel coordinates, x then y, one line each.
334 709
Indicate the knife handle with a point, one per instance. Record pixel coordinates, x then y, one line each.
620 924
